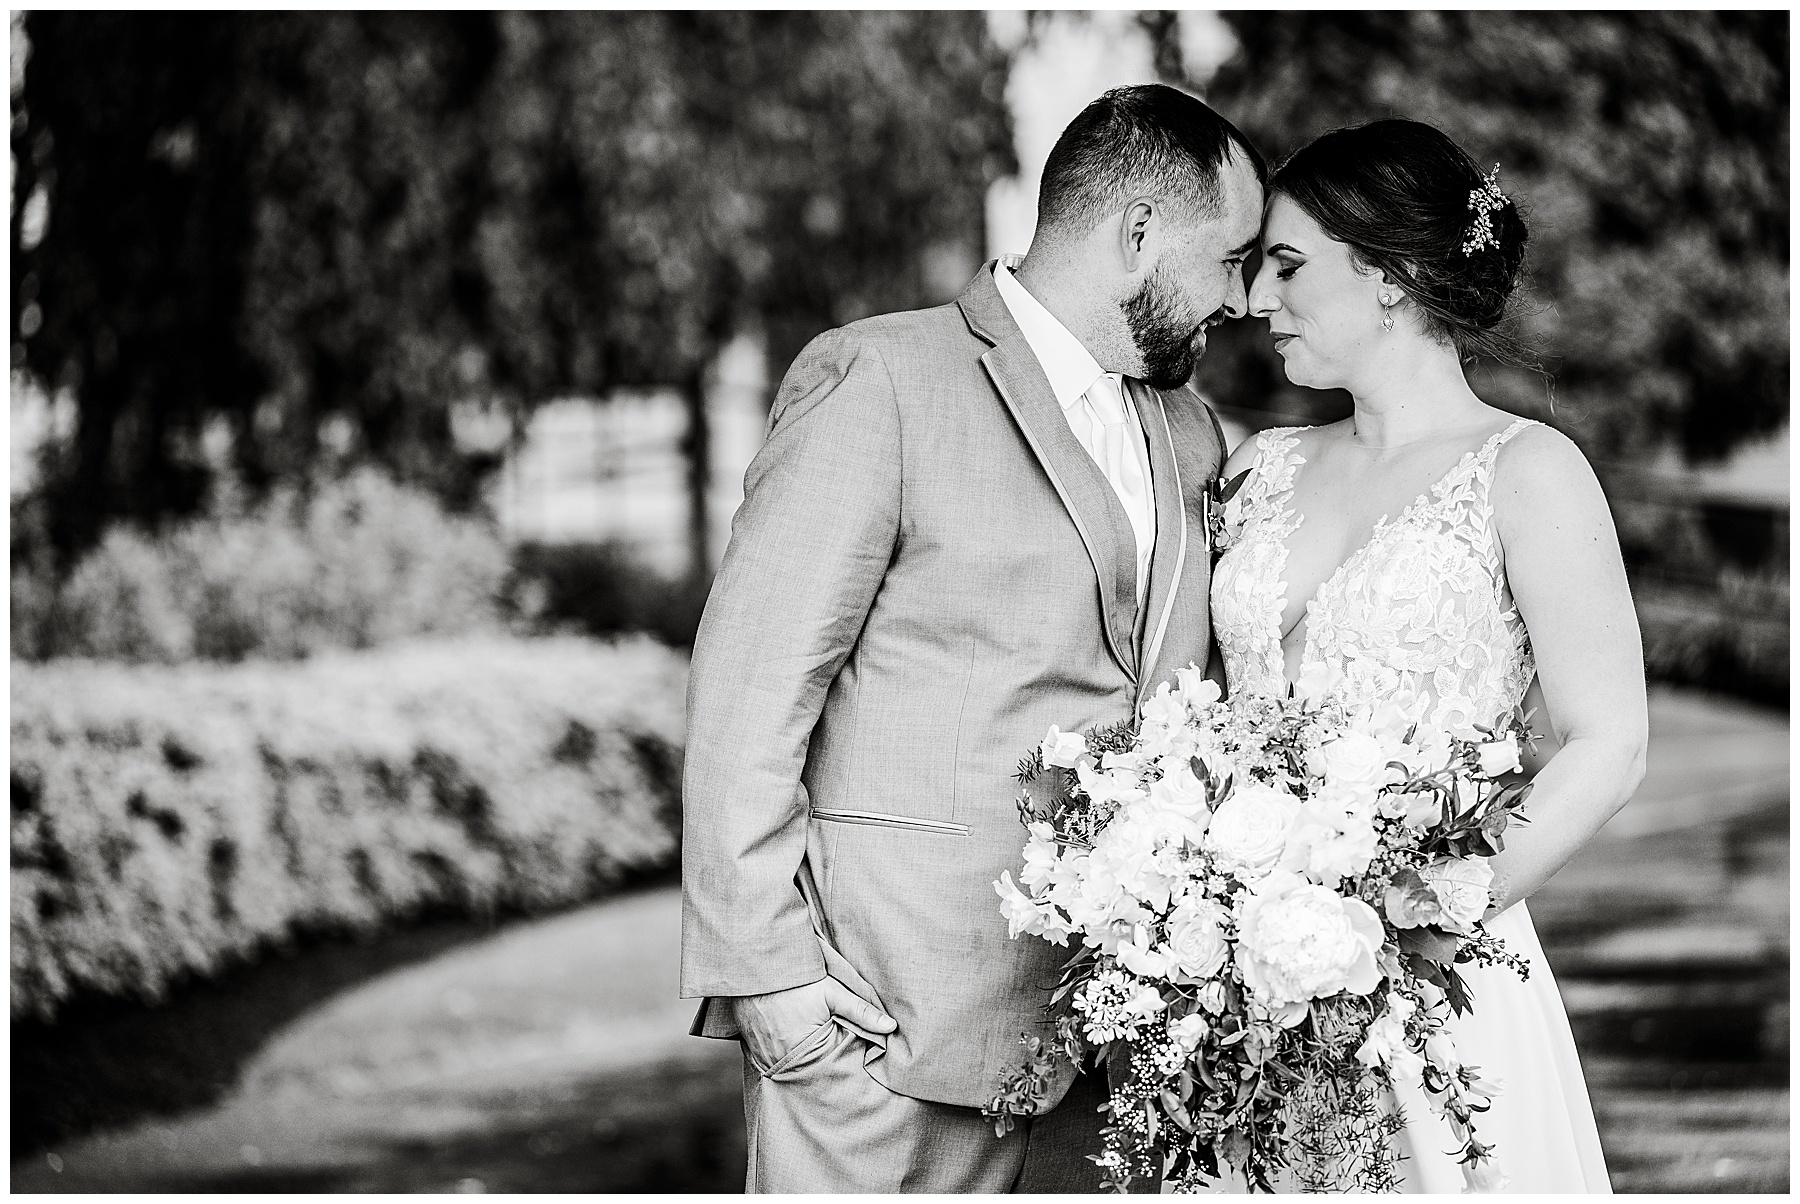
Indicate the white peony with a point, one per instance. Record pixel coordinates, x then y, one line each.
1063 749
1196 939
1250 828
1299 941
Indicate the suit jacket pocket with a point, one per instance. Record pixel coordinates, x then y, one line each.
905 823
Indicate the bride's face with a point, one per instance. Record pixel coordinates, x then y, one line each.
1324 311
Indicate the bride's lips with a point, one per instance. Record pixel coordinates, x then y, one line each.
1282 338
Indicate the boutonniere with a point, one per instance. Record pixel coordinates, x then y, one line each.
1221 533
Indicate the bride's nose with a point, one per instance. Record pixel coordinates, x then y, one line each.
1263 301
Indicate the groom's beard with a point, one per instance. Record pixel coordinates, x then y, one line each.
1165 340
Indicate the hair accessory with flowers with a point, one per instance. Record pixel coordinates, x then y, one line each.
1485 202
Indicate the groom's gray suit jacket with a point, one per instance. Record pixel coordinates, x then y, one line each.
928 570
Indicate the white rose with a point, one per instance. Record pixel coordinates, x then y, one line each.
1499 756
1197 939
1063 749
1250 827
1356 759
1298 941
1180 789
1461 886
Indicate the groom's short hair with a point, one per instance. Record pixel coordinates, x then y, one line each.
1146 139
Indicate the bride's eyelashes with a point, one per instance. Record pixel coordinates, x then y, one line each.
1287 273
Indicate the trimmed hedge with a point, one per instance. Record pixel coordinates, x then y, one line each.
169 821
358 563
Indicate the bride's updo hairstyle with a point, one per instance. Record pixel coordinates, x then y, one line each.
1397 193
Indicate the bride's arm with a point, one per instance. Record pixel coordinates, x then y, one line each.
1568 580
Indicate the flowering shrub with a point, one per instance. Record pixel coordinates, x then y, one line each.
1269 901
166 821
361 562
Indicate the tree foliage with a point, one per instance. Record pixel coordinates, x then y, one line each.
326 230
1649 152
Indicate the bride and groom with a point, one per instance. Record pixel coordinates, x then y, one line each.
973 522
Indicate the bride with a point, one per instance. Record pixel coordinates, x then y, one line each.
1435 551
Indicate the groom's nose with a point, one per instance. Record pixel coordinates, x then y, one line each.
1236 304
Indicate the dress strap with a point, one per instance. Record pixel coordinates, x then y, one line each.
1483 482
1495 442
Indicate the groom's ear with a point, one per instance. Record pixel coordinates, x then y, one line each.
1139 227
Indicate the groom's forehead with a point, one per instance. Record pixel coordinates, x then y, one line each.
1241 210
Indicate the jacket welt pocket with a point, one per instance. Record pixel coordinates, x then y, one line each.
906 823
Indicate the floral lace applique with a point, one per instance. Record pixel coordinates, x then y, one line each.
1420 616
1247 589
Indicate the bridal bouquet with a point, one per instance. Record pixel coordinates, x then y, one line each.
1269 900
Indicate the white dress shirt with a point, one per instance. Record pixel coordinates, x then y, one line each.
1096 405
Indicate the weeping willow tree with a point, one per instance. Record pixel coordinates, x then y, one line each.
318 233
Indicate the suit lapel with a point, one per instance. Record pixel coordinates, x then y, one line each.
1078 481
1198 453
1172 547
1085 493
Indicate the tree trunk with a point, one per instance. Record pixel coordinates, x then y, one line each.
697 446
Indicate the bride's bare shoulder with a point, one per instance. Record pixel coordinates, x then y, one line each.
1540 473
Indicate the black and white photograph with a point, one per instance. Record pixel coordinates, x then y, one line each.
891 601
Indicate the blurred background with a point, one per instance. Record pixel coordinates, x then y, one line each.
382 387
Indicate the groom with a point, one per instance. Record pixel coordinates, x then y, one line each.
967 524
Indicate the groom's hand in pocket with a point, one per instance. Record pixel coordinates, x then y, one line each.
774 1023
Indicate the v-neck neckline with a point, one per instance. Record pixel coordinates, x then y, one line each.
1382 525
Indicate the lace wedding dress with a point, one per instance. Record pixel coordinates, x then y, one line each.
1421 614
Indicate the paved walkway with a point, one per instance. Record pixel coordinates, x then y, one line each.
553 1056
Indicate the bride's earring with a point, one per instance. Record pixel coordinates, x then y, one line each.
1387 314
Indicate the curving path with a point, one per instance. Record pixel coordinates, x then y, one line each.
553 1055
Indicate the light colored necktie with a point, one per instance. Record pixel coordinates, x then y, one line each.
1119 460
